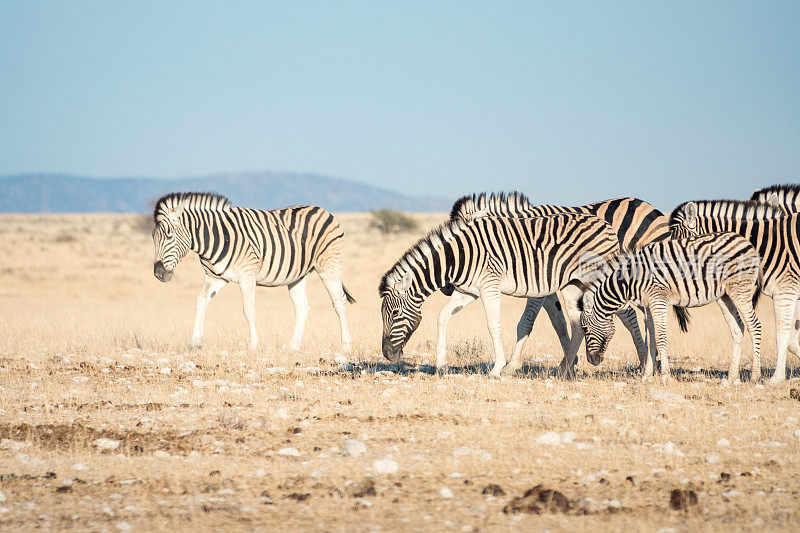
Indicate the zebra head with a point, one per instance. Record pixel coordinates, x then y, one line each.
683 222
170 237
401 312
597 330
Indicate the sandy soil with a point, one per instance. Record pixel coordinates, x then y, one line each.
110 423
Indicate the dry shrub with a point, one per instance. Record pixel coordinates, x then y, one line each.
391 221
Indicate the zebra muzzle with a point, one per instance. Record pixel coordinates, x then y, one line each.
391 353
161 273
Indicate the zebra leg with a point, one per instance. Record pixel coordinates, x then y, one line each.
211 286
336 292
650 361
572 295
784 305
247 285
556 315
458 301
628 317
794 346
524 327
491 306
659 311
297 293
732 317
745 306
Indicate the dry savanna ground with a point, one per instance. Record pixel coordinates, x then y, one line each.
110 423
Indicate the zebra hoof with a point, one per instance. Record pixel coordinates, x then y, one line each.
195 344
509 370
288 348
775 381
755 377
441 370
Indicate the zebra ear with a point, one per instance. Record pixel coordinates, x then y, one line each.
691 213
404 283
772 199
174 213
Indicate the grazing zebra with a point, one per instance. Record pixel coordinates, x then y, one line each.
252 247
721 267
775 237
491 256
635 222
785 197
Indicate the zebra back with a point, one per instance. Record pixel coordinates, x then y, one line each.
635 221
785 197
535 255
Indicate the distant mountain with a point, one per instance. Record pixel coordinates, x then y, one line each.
59 193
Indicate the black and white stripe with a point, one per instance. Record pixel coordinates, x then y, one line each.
786 197
776 238
251 247
635 222
490 256
688 272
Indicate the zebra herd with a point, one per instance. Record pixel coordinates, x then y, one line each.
605 258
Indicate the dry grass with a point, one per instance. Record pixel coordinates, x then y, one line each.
88 334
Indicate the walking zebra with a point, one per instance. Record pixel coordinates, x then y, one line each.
721 267
785 197
491 256
775 237
252 247
635 222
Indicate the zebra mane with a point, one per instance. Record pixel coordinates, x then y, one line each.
512 204
747 210
415 253
194 200
785 188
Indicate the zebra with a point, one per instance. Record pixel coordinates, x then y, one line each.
635 221
491 256
786 197
689 272
774 235
252 247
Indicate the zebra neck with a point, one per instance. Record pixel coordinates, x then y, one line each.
611 296
207 233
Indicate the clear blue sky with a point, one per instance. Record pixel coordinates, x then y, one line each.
568 101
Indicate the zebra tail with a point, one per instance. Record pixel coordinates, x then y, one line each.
759 286
683 317
347 295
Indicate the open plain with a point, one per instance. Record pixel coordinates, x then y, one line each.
110 423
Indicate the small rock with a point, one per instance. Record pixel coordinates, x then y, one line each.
493 490
712 458
385 466
124 526
353 448
290 452
161 454
446 493
551 438
361 490
106 444
722 443
13 445
537 500
728 494
166 370
681 500
3 497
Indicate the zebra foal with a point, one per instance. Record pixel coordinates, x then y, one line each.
252 247
689 272
491 256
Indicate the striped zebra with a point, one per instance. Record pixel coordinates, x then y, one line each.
252 247
689 272
785 197
775 237
635 222
523 257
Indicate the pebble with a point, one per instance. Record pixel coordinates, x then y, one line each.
723 443
161 454
291 452
3 497
712 458
385 466
353 447
446 493
106 444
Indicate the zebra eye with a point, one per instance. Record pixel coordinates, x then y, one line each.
395 312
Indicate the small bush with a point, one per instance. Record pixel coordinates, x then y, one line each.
391 221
